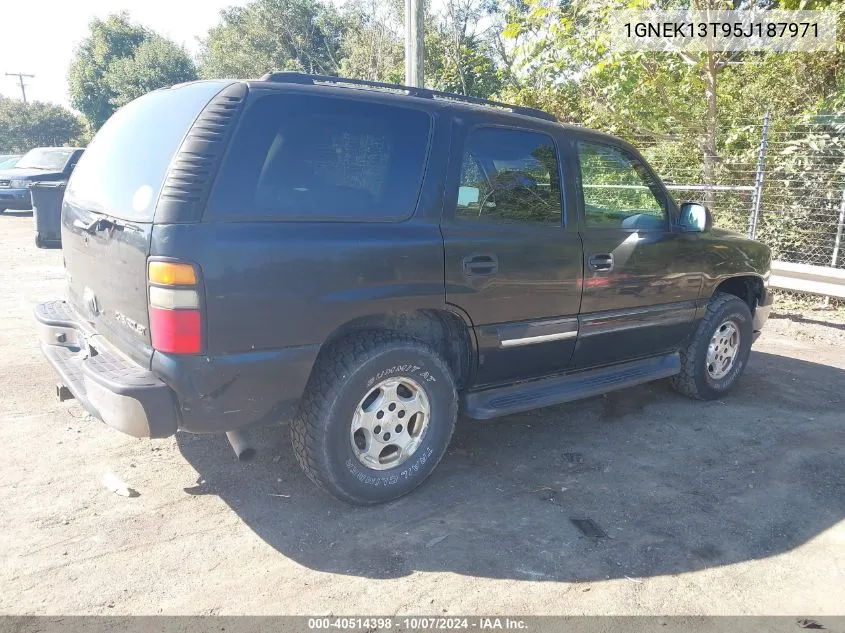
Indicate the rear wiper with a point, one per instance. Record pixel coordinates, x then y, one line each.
96 225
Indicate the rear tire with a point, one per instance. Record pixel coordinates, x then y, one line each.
718 353
376 418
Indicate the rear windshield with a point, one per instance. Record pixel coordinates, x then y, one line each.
323 158
122 171
45 159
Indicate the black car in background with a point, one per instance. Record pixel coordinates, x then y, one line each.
42 164
368 260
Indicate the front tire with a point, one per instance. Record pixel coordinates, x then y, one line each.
718 353
376 418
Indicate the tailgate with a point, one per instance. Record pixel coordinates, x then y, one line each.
106 266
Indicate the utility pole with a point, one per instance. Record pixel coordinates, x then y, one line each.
20 77
414 42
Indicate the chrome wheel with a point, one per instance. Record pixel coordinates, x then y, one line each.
723 350
389 423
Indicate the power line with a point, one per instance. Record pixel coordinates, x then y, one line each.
20 77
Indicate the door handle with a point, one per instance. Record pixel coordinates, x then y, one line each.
96 225
480 265
601 261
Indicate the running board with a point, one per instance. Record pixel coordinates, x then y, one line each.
525 396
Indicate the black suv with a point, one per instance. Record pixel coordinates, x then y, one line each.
369 260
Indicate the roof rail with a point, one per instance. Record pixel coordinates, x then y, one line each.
292 77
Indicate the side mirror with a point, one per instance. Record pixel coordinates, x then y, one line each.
695 218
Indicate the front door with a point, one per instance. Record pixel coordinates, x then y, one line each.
641 277
512 263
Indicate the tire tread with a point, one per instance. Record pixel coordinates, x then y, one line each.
685 381
312 421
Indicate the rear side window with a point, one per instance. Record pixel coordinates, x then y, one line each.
122 170
319 158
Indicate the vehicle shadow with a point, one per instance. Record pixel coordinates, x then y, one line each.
674 485
800 318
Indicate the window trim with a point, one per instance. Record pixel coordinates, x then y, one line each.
668 222
254 97
517 128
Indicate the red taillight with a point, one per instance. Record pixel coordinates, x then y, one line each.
176 331
175 318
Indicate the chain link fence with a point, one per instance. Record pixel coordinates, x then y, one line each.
778 179
803 196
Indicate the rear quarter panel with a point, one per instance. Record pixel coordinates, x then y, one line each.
271 285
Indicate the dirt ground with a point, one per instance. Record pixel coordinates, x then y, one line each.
729 507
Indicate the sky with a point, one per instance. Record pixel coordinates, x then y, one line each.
40 35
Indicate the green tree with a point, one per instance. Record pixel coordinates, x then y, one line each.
120 61
459 50
110 39
363 40
268 35
35 124
157 62
696 116
372 46
686 106
463 66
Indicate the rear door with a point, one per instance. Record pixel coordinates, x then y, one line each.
641 279
513 263
108 209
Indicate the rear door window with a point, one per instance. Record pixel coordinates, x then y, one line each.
509 176
320 158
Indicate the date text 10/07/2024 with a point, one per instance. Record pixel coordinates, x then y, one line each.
418 623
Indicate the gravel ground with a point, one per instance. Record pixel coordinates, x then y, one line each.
728 507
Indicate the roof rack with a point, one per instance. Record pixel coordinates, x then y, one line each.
306 79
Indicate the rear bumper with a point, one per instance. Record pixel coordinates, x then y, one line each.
111 387
198 394
761 313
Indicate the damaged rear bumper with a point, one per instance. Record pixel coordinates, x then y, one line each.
229 391
110 386
194 393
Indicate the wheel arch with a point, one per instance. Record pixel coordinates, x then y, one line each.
748 287
445 331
